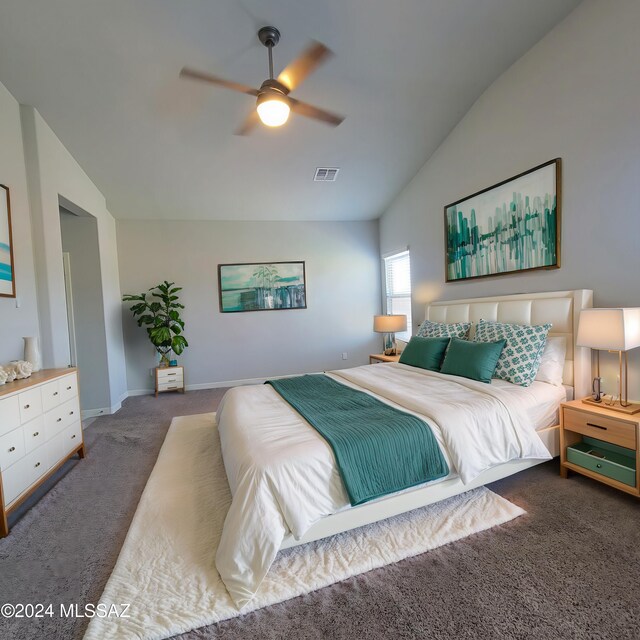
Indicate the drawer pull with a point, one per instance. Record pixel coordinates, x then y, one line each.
27 406
59 420
172 387
597 426
70 413
55 393
599 466
73 436
36 434
171 374
68 388
37 464
12 448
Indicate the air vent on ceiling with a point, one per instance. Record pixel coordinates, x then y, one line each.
326 174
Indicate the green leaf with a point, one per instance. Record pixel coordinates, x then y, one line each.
178 344
176 328
155 307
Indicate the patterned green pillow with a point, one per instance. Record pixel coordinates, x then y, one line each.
429 329
520 358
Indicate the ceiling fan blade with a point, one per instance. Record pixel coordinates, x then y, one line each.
207 77
249 124
311 58
304 109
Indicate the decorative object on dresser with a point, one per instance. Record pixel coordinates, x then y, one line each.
7 270
169 379
601 444
160 312
40 428
511 226
15 370
377 358
390 325
611 330
32 352
262 286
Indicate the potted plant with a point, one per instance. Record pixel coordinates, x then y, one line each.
158 310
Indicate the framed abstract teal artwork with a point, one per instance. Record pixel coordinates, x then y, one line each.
510 227
262 286
7 273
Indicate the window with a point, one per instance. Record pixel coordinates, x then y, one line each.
397 275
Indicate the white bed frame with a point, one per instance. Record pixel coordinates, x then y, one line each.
562 308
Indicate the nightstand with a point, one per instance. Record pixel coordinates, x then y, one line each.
601 444
169 379
377 358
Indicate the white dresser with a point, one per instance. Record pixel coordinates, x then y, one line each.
40 428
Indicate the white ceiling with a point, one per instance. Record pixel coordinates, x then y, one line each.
104 75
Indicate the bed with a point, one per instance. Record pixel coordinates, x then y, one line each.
285 484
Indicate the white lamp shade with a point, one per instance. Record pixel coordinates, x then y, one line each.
609 329
389 324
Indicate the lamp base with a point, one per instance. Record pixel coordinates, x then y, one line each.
630 409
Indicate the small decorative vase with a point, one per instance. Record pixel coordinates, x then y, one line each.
32 352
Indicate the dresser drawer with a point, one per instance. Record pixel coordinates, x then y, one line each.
600 427
70 439
11 448
30 404
9 414
68 387
20 476
51 395
34 433
14 481
61 417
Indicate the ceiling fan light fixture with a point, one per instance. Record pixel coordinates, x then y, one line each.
273 109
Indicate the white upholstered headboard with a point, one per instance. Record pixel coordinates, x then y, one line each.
561 308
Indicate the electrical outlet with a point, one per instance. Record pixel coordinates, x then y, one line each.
151 372
345 355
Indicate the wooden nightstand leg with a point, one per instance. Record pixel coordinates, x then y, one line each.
564 472
81 452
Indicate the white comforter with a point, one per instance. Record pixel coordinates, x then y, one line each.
283 475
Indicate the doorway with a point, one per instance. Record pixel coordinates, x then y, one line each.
85 307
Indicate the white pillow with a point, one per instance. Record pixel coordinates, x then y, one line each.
552 361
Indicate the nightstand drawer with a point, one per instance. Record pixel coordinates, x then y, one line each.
606 459
172 374
600 427
170 385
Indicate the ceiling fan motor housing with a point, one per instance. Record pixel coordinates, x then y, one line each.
269 36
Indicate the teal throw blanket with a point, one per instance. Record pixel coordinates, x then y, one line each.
378 448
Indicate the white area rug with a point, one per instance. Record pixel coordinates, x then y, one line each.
166 569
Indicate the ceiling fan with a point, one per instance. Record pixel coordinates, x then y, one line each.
273 102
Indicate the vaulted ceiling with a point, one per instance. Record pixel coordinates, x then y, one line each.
104 75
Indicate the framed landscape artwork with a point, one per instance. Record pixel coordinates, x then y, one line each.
7 274
262 286
510 227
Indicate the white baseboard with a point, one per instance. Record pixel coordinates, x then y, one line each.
216 385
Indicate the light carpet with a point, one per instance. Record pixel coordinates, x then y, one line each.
166 570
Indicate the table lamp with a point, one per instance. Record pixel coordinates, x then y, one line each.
611 330
389 325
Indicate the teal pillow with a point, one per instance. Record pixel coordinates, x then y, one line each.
474 360
426 353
